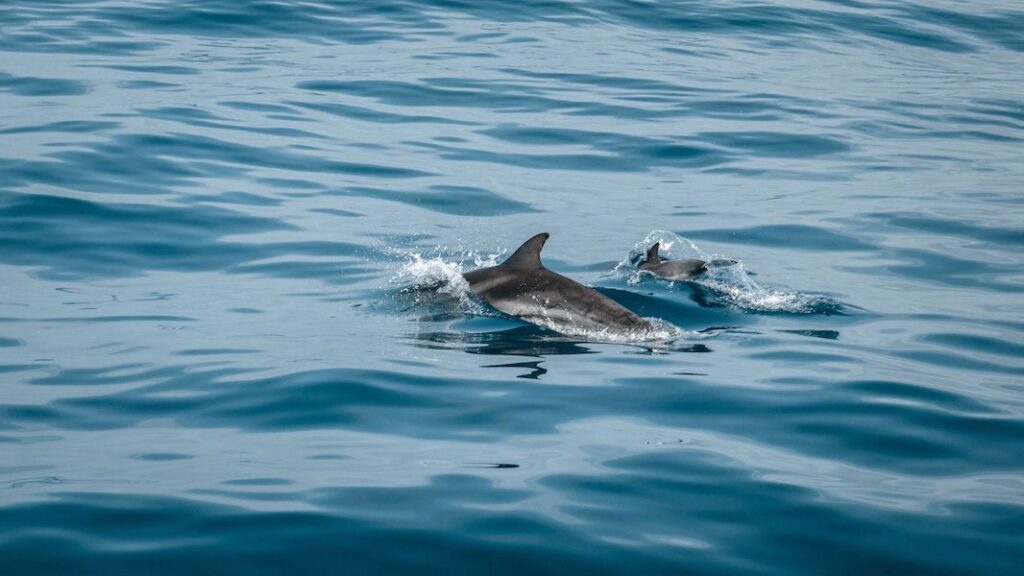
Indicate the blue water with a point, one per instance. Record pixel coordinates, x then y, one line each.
233 340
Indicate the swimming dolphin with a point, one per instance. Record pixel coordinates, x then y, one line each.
678 269
671 269
522 287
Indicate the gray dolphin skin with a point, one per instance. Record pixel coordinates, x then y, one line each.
671 269
522 287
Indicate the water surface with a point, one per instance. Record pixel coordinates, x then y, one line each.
218 220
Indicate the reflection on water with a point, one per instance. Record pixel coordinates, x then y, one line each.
535 370
526 340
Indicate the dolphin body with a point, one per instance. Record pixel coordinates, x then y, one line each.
522 287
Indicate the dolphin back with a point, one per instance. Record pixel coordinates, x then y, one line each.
679 269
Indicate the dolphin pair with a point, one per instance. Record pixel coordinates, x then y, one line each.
522 287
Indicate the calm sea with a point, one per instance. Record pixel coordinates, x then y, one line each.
233 338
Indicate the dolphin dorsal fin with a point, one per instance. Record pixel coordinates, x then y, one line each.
653 258
528 255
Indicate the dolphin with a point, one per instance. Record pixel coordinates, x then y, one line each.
677 269
522 287
671 269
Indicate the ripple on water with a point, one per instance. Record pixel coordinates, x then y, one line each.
34 86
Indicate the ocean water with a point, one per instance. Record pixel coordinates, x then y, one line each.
233 337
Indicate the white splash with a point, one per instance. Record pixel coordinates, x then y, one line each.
426 278
727 280
735 283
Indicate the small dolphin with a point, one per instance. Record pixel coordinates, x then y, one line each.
677 269
671 269
522 287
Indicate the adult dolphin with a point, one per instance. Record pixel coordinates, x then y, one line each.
522 287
